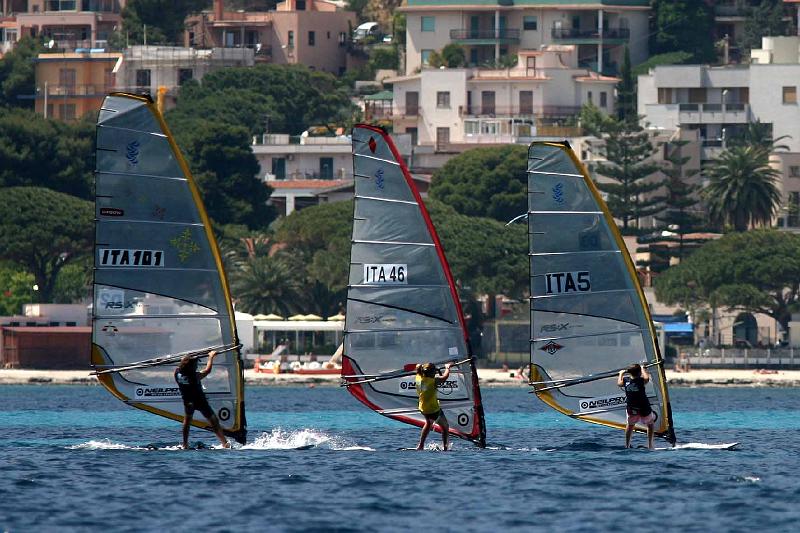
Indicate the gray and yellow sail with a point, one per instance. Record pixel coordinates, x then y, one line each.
160 290
589 316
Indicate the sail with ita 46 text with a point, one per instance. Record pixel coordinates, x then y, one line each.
402 304
588 315
160 291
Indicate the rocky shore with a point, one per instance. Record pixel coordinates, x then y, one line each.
490 377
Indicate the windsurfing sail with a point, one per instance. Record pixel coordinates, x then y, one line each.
160 291
402 304
589 316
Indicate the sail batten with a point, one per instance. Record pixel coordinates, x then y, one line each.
160 290
402 306
589 318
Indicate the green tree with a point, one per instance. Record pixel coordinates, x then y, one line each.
226 171
628 152
74 282
626 90
17 76
266 284
451 56
680 216
35 151
683 26
754 271
16 289
595 122
744 190
669 58
42 231
763 20
164 20
485 182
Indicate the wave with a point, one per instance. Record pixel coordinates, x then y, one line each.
103 444
280 439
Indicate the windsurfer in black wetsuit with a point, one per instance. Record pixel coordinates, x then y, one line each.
194 399
638 405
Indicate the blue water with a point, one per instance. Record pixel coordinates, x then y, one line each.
74 458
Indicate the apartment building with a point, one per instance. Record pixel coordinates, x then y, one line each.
718 102
150 68
308 32
492 29
70 85
449 110
70 24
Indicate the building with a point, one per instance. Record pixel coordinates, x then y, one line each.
717 102
729 22
69 85
149 68
490 30
70 24
449 110
306 32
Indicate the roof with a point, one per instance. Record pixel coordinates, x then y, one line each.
47 329
537 3
383 95
306 184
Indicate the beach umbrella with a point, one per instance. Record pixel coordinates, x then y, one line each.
338 317
297 317
272 316
313 317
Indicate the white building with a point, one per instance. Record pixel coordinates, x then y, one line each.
449 110
718 102
147 68
490 30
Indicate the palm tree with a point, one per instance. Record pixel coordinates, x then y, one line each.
743 191
266 284
759 134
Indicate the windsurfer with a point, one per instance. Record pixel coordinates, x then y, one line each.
426 382
637 403
188 379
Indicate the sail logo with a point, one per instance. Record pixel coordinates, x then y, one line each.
448 386
603 402
157 392
551 347
558 193
185 245
385 274
554 327
379 182
111 212
119 257
132 152
566 282
372 144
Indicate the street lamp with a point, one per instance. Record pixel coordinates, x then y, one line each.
724 105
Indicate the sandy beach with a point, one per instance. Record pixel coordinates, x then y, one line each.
489 377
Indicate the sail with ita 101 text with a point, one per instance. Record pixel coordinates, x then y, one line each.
160 291
588 315
402 304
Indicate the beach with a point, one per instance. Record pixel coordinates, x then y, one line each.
489 377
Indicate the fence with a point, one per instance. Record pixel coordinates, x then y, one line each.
743 357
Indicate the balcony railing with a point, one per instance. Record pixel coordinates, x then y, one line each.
495 34
74 90
575 33
516 111
407 111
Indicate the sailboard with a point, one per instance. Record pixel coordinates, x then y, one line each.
589 316
402 304
160 290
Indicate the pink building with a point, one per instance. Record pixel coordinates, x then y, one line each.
308 32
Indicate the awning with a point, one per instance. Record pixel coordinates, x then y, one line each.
679 327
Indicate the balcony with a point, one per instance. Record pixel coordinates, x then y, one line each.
714 113
75 91
517 111
490 36
406 112
593 36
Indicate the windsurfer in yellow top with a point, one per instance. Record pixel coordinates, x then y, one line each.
429 403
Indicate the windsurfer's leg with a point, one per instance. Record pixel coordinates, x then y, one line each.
628 432
650 436
214 421
187 422
445 430
426 428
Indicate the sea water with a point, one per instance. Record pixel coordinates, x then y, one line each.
74 458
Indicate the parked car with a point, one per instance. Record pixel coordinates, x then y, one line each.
367 32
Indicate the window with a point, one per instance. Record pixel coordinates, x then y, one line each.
184 75
603 99
312 37
790 95
426 56
329 35
487 103
697 95
443 99
471 127
412 103
530 23
66 77
108 78
301 5
794 171
589 97
279 167
428 23
442 138
290 40
793 219
143 78
326 168
61 5
526 102
665 95
66 111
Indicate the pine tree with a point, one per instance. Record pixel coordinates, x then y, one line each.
628 151
626 90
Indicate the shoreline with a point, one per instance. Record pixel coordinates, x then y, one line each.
489 378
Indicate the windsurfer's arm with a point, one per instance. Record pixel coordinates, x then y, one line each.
446 374
620 382
207 370
645 374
